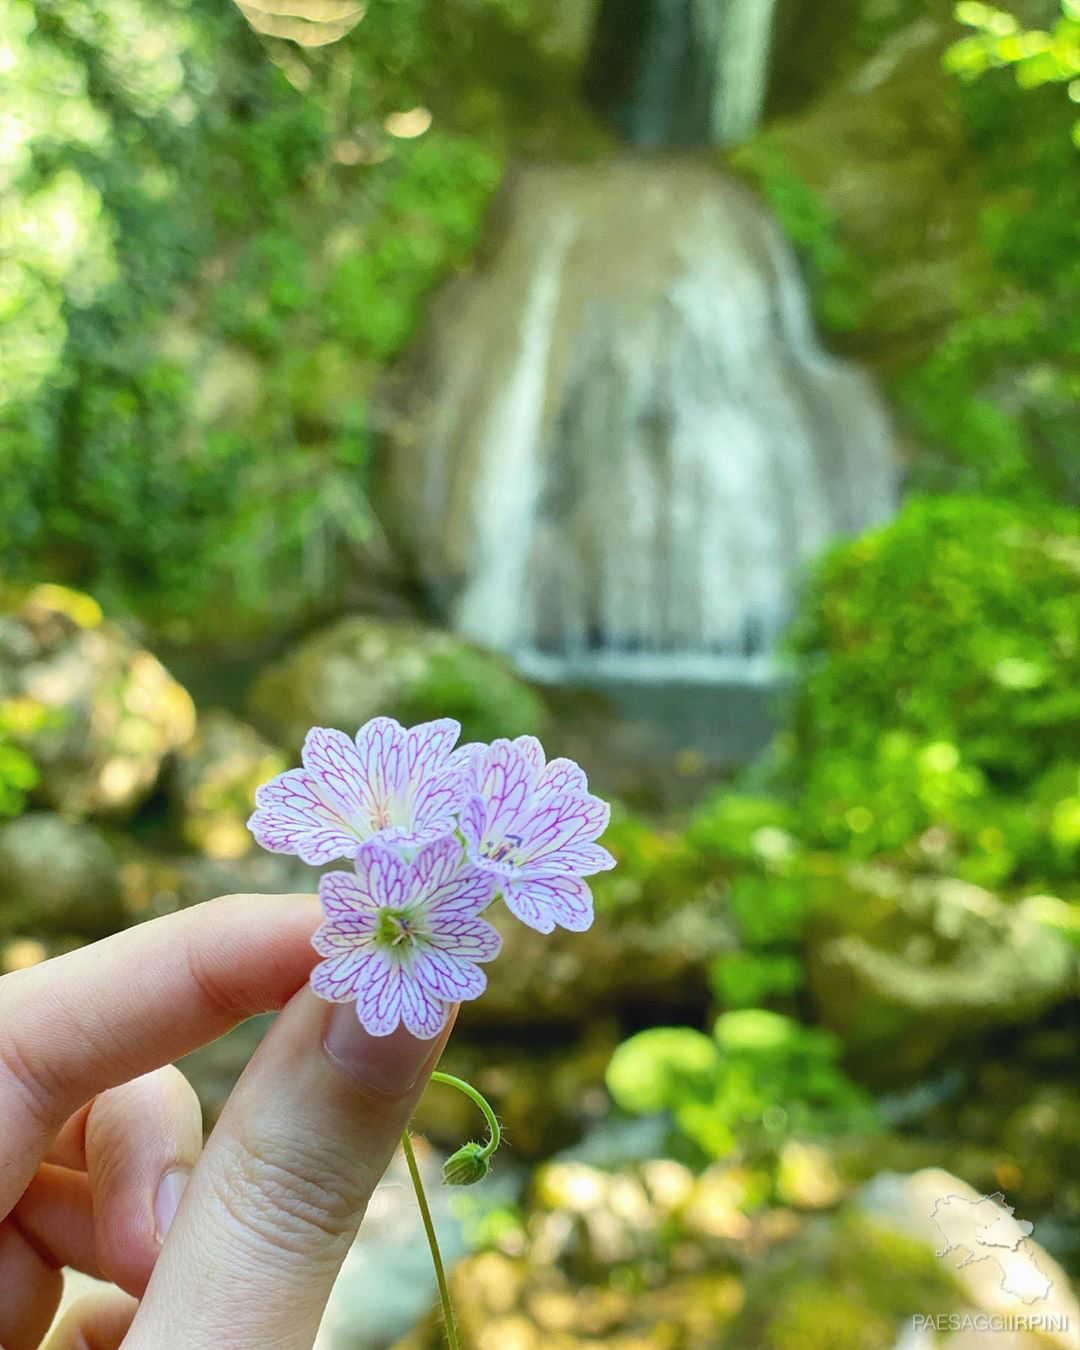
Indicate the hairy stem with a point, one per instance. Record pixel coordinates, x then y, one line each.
494 1132
433 1242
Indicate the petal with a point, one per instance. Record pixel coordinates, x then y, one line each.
342 896
473 823
446 976
580 860
338 771
506 785
292 816
422 1012
438 799
342 978
428 746
533 751
382 876
543 902
379 1003
434 866
469 759
462 896
380 747
562 775
474 939
355 935
556 822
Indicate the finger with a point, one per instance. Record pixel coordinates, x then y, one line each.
56 1214
68 1149
142 1141
94 1018
98 1322
277 1197
31 1290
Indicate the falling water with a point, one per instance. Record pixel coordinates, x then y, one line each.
630 441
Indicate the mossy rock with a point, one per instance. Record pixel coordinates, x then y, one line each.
57 877
363 667
97 713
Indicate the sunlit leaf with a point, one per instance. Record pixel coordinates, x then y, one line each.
309 23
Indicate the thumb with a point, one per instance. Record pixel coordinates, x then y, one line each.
279 1192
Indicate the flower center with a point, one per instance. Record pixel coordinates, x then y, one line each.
396 928
503 851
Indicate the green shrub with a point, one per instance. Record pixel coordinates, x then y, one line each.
938 692
760 1079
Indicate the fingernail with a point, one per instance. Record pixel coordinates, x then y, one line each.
388 1065
167 1201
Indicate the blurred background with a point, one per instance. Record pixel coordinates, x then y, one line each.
692 383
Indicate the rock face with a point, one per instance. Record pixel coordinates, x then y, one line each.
917 965
105 711
214 781
57 877
362 667
1002 1251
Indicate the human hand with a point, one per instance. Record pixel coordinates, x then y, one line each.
234 1246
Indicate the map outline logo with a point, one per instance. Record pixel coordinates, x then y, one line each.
986 1230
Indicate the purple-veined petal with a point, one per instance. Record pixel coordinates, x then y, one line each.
556 822
474 939
437 800
330 757
562 775
464 895
291 816
581 860
473 823
380 748
342 896
506 784
378 1004
355 934
342 978
435 865
428 746
543 902
533 751
381 875
423 1013
446 975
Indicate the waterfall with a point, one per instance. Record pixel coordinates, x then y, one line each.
626 439
681 72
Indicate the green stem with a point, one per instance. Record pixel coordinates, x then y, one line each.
494 1132
433 1242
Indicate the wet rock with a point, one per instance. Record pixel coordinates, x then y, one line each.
1003 1250
914 966
364 666
57 877
214 780
101 713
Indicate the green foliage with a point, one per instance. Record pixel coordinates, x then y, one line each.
938 703
1036 56
479 691
836 275
760 1079
211 248
18 774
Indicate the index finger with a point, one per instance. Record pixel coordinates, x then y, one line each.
97 1017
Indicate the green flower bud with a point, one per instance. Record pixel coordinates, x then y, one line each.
466 1166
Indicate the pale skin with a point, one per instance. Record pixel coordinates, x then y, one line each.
231 1246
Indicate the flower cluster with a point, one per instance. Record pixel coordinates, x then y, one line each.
436 834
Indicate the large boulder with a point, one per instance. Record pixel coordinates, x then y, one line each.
363 666
99 713
903 968
214 780
57 877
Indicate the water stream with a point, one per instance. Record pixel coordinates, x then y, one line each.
630 440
